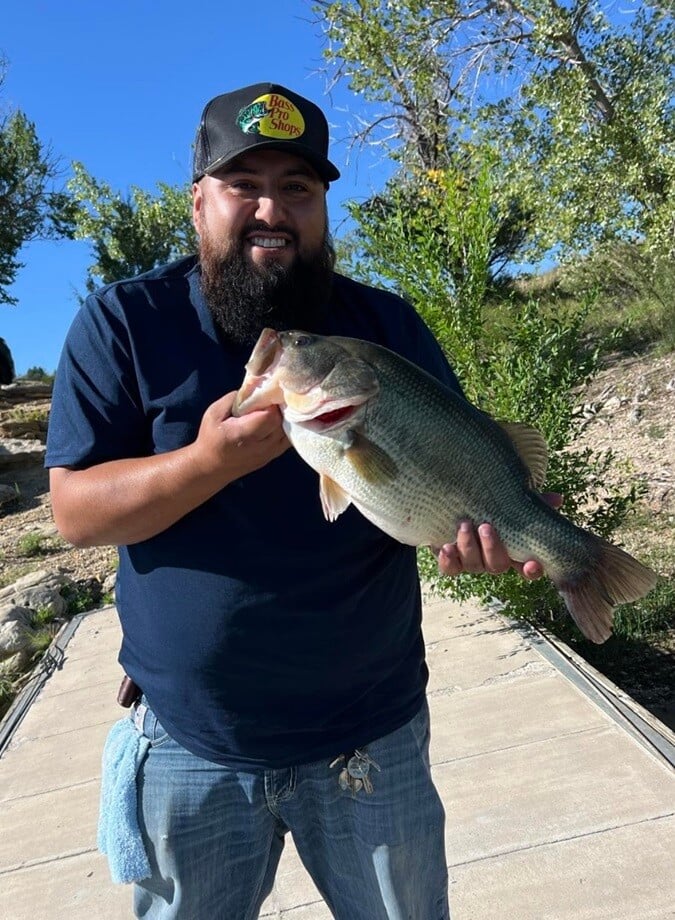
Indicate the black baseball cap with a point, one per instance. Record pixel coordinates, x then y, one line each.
261 116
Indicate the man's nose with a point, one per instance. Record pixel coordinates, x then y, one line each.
270 209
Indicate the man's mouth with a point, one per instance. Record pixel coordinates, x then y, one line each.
269 242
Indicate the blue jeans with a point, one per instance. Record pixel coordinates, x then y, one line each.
214 834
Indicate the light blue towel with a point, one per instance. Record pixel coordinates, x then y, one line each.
119 836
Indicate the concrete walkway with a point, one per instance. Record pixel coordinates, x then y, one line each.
555 809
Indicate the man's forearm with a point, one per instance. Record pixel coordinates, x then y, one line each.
126 501
121 502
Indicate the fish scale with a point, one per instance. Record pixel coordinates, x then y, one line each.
416 458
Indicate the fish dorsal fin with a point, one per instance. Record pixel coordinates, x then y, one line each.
370 461
334 499
531 447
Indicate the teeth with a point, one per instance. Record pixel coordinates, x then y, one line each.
268 242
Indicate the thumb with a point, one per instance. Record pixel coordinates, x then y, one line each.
221 409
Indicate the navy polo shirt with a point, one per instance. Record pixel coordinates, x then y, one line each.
262 635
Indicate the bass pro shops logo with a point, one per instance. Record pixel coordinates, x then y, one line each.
272 115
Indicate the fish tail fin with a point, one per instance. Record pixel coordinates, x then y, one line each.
614 578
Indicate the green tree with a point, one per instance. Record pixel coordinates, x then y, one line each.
30 203
456 239
575 100
129 233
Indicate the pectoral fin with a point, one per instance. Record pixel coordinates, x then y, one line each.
369 460
334 499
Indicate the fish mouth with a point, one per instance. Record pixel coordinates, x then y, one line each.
259 368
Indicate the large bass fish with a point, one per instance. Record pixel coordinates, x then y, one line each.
416 458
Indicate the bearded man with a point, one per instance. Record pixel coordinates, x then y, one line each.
275 661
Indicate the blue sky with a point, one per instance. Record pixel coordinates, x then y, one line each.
120 86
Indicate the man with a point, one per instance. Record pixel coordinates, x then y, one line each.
280 657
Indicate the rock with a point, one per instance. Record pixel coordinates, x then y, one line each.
108 586
48 529
15 452
16 631
39 590
32 429
28 581
43 597
8 494
25 391
614 403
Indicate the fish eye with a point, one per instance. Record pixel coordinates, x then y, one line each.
299 340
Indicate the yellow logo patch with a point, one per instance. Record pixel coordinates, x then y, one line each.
273 116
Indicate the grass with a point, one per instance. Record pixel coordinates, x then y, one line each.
42 639
7 694
84 596
633 296
43 616
36 544
656 432
23 414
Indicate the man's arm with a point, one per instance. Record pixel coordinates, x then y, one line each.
122 502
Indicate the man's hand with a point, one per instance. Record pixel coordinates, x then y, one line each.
480 550
237 446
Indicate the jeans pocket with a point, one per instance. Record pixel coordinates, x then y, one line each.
147 723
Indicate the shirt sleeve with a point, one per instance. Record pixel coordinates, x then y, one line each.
96 412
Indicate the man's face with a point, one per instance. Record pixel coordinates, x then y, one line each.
267 204
265 253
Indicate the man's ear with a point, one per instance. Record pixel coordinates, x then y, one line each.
197 205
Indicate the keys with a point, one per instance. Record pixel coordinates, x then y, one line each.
355 772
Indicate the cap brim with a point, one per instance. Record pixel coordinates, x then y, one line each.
323 166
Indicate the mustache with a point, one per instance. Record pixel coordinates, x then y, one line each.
260 226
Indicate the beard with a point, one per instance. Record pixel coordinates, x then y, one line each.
244 298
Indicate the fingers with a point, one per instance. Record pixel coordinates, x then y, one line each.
479 550
554 499
231 447
531 570
259 425
474 551
261 420
495 555
449 562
